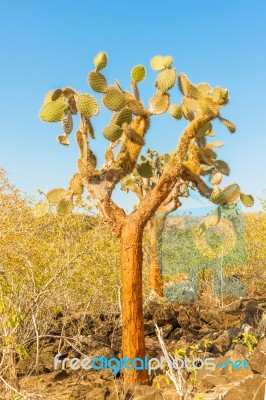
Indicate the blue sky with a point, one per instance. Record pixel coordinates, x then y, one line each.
45 45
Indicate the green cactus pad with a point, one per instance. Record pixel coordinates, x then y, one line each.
138 73
228 195
157 63
204 89
64 207
208 106
145 170
97 82
57 93
217 94
222 167
159 103
112 132
187 88
175 111
188 114
247 200
41 209
122 116
63 139
191 104
67 123
166 79
87 105
53 111
100 61
228 124
114 99
168 61
55 195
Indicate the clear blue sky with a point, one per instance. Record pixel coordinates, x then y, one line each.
50 44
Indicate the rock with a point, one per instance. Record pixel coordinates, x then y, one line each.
210 381
165 314
222 343
176 334
166 330
143 392
149 328
252 387
258 361
96 394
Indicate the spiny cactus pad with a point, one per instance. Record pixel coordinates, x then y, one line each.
159 103
222 167
87 105
97 82
122 116
208 106
216 178
64 207
56 94
135 106
166 79
247 200
138 73
41 209
187 88
55 195
204 89
100 61
229 125
191 104
76 185
145 170
112 132
53 111
175 111
63 139
67 123
230 194
114 99
158 63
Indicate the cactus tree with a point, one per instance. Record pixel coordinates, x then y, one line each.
189 163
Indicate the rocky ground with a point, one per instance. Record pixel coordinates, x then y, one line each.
201 331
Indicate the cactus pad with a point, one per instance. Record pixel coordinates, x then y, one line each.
138 73
247 200
55 195
167 61
122 116
159 103
97 82
230 194
57 93
166 79
112 132
135 106
191 104
87 105
64 207
204 89
114 99
41 209
76 185
222 167
67 123
175 111
229 125
63 139
145 170
157 63
208 106
100 61
53 111
216 178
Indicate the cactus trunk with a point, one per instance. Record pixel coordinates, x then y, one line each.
132 300
156 227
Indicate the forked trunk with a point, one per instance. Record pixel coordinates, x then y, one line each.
156 227
132 300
